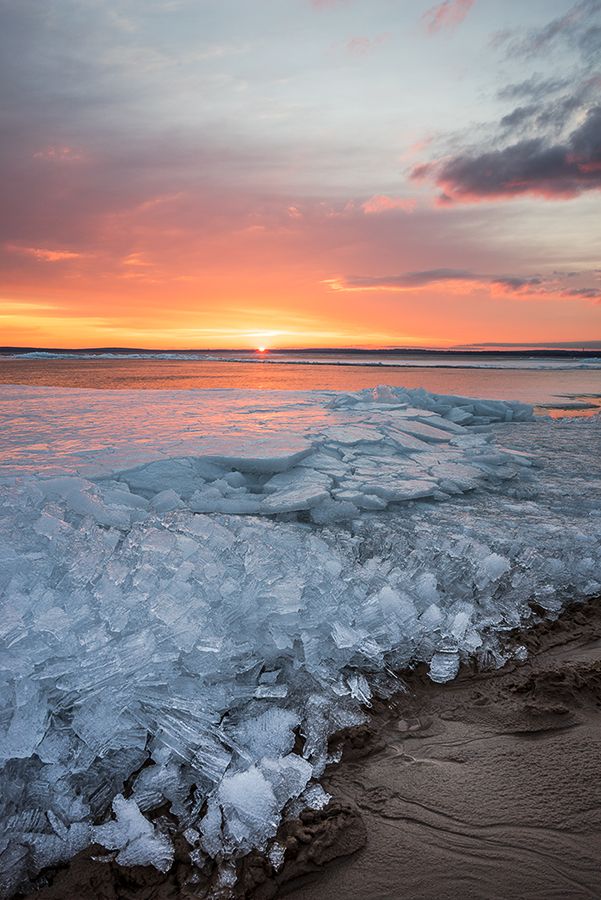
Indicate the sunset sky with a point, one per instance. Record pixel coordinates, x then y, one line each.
287 173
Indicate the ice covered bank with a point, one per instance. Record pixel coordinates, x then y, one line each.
198 588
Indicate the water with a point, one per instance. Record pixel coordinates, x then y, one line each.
567 386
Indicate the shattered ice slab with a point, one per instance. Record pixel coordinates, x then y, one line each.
137 841
444 665
200 588
220 452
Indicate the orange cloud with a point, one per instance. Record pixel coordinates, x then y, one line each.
44 254
383 203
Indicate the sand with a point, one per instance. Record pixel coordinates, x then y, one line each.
488 787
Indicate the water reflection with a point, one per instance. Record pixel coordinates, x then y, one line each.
543 387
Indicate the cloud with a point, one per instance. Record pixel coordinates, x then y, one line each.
549 111
542 345
58 154
448 14
380 203
361 46
578 28
549 144
406 281
463 279
558 170
535 88
518 116
44 254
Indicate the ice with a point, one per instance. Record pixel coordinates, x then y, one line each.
243 814
288 776
276 855
354 452
27 724
199 589
271 733
293 499
139 843
398 490
165 501
315 797
459 416
444 665
352 434
492 567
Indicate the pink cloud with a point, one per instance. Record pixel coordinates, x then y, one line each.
380 203
448 14
360 46
44 254
58 154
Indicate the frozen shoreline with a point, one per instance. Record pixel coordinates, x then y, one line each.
197 618
478 766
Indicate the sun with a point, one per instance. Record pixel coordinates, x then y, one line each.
261 349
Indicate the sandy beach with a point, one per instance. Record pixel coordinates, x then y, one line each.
486 787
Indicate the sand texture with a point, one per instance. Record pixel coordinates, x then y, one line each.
488 787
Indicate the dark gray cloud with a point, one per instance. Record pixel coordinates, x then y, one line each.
551 109
550 142
515 282
528 166
409 279
578 29
533 166
542 345
535 89
518 116
590 42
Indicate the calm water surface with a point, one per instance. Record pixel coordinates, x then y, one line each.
553 387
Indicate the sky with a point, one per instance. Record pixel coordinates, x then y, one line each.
289 173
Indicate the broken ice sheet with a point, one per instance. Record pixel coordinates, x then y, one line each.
138 841
207 659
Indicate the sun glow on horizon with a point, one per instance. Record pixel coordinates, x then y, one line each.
230 218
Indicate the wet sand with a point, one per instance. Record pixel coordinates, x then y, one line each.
486 788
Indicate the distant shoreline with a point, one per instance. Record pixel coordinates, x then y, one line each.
489 353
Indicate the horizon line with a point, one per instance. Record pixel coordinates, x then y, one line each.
483 347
